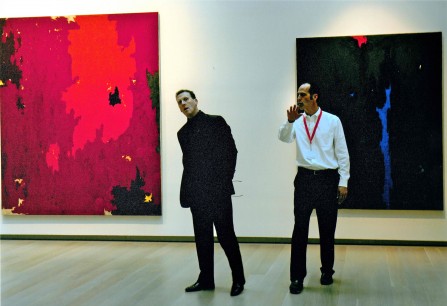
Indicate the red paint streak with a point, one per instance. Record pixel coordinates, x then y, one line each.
361 40
52 156
97 69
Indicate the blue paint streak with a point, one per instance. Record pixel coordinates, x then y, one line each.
385 146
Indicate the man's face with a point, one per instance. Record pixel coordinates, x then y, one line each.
304 100
187 105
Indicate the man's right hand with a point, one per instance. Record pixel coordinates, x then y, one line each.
292 113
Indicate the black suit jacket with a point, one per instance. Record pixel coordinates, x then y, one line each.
209 160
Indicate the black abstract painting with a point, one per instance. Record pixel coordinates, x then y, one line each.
387 91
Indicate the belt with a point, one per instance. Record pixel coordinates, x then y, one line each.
306 171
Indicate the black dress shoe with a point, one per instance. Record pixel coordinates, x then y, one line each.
326 279
236 289
296 287
199 287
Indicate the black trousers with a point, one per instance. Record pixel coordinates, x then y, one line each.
217 212
314 190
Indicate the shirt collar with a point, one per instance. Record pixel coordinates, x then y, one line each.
197 116
314 115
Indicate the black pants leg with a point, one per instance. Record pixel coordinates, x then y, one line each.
327 210
217 212
319 192
203 232
223 222
302 212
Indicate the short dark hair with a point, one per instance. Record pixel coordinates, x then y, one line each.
191 93
313 89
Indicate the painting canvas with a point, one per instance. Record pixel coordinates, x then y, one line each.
387 91
80 115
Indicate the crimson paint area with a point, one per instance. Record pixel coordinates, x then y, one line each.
65 145
361 40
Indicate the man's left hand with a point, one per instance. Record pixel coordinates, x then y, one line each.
342 194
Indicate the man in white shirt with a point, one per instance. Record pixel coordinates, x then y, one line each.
321 182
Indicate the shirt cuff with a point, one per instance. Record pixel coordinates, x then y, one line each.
343 182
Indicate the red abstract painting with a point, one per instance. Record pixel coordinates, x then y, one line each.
80 115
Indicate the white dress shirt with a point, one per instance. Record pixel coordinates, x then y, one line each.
328 149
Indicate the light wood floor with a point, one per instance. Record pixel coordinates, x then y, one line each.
148 273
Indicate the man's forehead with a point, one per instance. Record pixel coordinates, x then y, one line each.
184 94
304 88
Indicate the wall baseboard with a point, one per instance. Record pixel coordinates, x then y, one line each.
241 239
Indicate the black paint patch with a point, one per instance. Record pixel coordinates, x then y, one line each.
115 97
131 202
9 70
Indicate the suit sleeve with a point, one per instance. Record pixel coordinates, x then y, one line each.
226 149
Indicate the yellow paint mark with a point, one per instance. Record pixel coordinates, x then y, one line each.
9 211
71 18
21 202
18 181
148 198
107 213
1 83
127 157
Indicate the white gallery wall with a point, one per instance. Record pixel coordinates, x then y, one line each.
239 58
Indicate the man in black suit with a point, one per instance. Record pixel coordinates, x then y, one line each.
209 162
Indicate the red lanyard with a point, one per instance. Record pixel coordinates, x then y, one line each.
315 128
